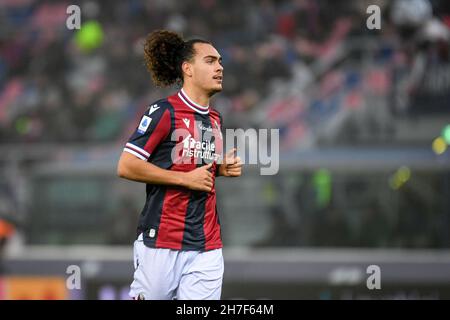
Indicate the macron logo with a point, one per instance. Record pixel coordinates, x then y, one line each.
186 122
153 108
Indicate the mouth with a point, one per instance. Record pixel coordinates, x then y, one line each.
218 78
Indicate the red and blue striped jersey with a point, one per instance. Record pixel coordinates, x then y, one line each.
177 134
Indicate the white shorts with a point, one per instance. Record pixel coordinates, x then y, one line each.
166 274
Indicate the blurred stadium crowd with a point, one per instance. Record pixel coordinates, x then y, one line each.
310 68
49 76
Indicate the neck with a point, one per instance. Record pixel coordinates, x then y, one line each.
198 96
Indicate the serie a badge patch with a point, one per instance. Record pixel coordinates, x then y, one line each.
145 122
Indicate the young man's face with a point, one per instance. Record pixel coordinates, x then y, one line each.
206 68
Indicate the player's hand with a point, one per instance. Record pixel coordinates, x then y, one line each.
232 165
200 179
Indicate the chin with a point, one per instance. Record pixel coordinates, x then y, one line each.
215 90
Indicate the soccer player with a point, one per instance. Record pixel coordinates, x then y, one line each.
176 150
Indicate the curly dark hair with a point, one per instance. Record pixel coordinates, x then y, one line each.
164 53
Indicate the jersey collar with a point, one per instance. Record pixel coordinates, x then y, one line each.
191 104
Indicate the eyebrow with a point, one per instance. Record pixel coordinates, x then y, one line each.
214 57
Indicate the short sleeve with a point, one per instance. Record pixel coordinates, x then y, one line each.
153 128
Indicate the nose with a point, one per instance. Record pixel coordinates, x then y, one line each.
219 67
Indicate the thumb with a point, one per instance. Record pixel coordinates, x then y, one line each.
231 152
230 157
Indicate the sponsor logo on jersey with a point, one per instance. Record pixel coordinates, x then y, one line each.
199 149
203 128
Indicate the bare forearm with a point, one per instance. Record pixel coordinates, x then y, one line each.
135 169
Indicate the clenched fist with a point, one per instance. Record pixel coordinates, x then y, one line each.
199 179
232 165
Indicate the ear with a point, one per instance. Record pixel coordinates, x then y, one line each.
187 68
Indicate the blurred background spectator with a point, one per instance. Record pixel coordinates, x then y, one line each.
364 119
309 68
